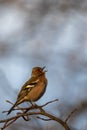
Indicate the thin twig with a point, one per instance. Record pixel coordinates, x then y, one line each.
17 107
68 117
49 102
43 118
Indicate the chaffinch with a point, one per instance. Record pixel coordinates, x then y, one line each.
33 89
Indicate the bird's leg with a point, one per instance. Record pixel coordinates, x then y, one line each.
33 104
36 106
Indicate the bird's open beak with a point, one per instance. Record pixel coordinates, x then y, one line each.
44 68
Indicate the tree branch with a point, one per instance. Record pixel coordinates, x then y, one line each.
26 112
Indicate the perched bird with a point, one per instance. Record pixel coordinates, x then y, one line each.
33 89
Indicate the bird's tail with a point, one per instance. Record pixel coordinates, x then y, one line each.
11 109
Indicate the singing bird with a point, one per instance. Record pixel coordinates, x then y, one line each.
33 89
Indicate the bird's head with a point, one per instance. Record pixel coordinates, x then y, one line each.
38 71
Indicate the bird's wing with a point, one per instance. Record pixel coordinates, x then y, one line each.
24 91
27 87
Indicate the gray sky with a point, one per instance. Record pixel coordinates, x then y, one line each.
38 33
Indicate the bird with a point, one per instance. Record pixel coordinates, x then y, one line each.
33 89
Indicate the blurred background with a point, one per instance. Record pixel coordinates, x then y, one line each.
51 33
